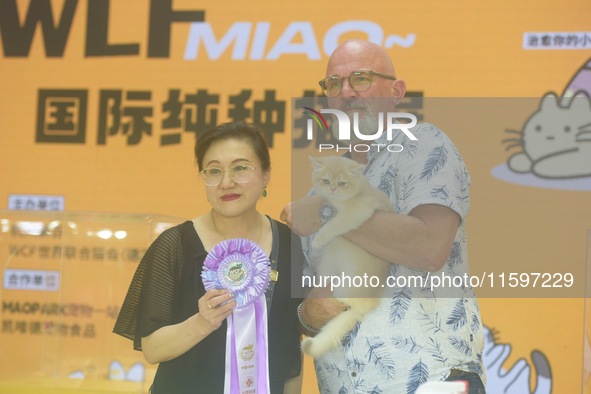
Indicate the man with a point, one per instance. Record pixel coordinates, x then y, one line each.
412 336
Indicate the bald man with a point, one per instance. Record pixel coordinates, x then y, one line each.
416 334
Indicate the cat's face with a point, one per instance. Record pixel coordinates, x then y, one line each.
554 128
336 178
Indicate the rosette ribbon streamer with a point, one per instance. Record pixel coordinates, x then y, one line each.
242 267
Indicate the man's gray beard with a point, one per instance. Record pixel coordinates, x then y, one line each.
368 125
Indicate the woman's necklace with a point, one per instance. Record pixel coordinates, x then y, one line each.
211 214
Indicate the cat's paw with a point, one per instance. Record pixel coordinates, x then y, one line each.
519 163
307 345
312 348
315 347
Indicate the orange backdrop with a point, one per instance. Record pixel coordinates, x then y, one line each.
101 101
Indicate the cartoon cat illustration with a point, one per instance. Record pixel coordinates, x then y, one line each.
135 373
556 139
516 379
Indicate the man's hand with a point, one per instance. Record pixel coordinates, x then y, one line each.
303 215
319 308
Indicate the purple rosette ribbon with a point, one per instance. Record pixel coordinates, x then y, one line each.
242 267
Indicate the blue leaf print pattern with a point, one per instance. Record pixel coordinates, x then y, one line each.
435 162
440 191
434 323
343 390
324 386
463 185
334 370
359 385
410 148
455 255
323 382
348 339
407 188
399 305
457 154
356 365
461 345
380 358
475 324
409 344
375 390
434 349
339 371
457 318
418 375
388 180
436 131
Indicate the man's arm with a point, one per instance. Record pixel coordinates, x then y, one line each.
420 240
317 310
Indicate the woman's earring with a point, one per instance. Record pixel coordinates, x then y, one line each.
265 191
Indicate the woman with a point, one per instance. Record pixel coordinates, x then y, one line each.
167 312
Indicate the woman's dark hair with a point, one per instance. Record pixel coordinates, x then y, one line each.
234 130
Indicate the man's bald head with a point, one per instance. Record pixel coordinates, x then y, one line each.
361 52
361 55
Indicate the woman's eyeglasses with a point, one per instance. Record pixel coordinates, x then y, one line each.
240 173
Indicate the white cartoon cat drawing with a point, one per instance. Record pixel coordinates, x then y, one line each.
517 379
135 373
556 139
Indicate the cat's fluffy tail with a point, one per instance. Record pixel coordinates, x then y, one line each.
331 335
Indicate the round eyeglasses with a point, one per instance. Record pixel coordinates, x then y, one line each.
359 81
240 173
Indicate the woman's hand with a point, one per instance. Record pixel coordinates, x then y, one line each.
214 307
172 341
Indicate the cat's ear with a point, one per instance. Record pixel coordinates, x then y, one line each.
548 102
580 102
316 162
357 169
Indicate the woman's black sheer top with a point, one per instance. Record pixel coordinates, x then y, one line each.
165 290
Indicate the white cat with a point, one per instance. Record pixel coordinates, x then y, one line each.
342 183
